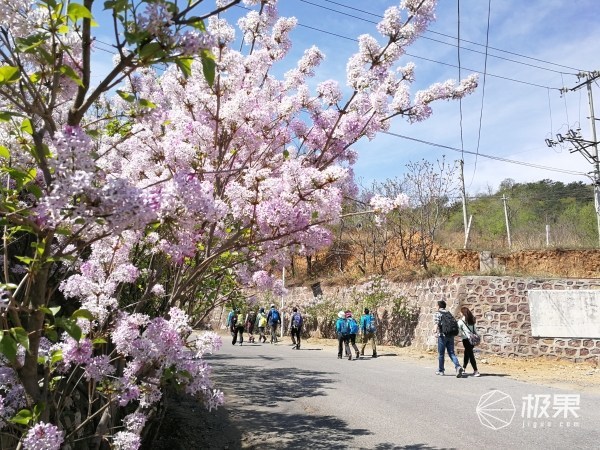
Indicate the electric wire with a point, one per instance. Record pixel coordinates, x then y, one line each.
465 40
496 158
446 43
462 141
435 61
487 41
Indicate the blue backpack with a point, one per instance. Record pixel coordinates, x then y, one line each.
274 317
370 326
353 326
344 327
297 320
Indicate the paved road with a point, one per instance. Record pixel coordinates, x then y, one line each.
278 397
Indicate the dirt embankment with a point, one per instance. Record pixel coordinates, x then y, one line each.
552 263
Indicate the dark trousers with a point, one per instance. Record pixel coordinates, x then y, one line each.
273 332
235 332
353 343
343 340
469 355
295 332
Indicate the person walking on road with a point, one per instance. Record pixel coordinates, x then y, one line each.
446 328
296 328
237 327
342 327
353 332
249 323
368 329
274 319
466 325
261 323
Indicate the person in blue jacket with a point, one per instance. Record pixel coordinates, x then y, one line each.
342 327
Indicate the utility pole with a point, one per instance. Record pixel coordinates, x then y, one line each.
464 202
581 145
506 219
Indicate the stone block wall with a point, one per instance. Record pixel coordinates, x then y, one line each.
499 304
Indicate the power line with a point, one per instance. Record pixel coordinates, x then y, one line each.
487 41
464 40
437 62
497 158
448 43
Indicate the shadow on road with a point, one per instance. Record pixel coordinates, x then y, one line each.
407 447
262 386
295 431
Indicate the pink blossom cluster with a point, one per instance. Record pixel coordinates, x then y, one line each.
12 394
43 436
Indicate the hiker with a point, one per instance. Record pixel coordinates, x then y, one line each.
250 321
368 329
237 326
353 331
466 325
273 319
261 323
296 328
446 328
342 327
229 317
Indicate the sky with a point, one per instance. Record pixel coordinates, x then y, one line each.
535 48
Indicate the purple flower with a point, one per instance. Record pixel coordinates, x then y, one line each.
43 436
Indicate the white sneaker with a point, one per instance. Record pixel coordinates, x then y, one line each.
476 374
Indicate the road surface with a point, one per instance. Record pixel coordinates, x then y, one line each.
278 397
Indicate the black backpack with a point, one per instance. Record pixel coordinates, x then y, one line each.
448 324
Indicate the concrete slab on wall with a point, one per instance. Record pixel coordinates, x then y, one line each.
565 313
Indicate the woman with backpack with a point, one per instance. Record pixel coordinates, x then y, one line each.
261 323
342 328
237 326
353 331
470 338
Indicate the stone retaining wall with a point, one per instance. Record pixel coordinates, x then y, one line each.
499 304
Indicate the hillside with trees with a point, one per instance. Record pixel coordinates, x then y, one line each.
422 238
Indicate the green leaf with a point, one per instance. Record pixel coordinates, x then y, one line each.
26 126
9 74
147 103
54 310
286 154
56 356
51 333
23 417
8 347
5 116
152 49
4 152
127 96
99 341
70 327
208 66
24 259
82 313
30 43
75 11
35 190
20 335
69 72
185 65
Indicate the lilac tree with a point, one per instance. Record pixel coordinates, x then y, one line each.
119 211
